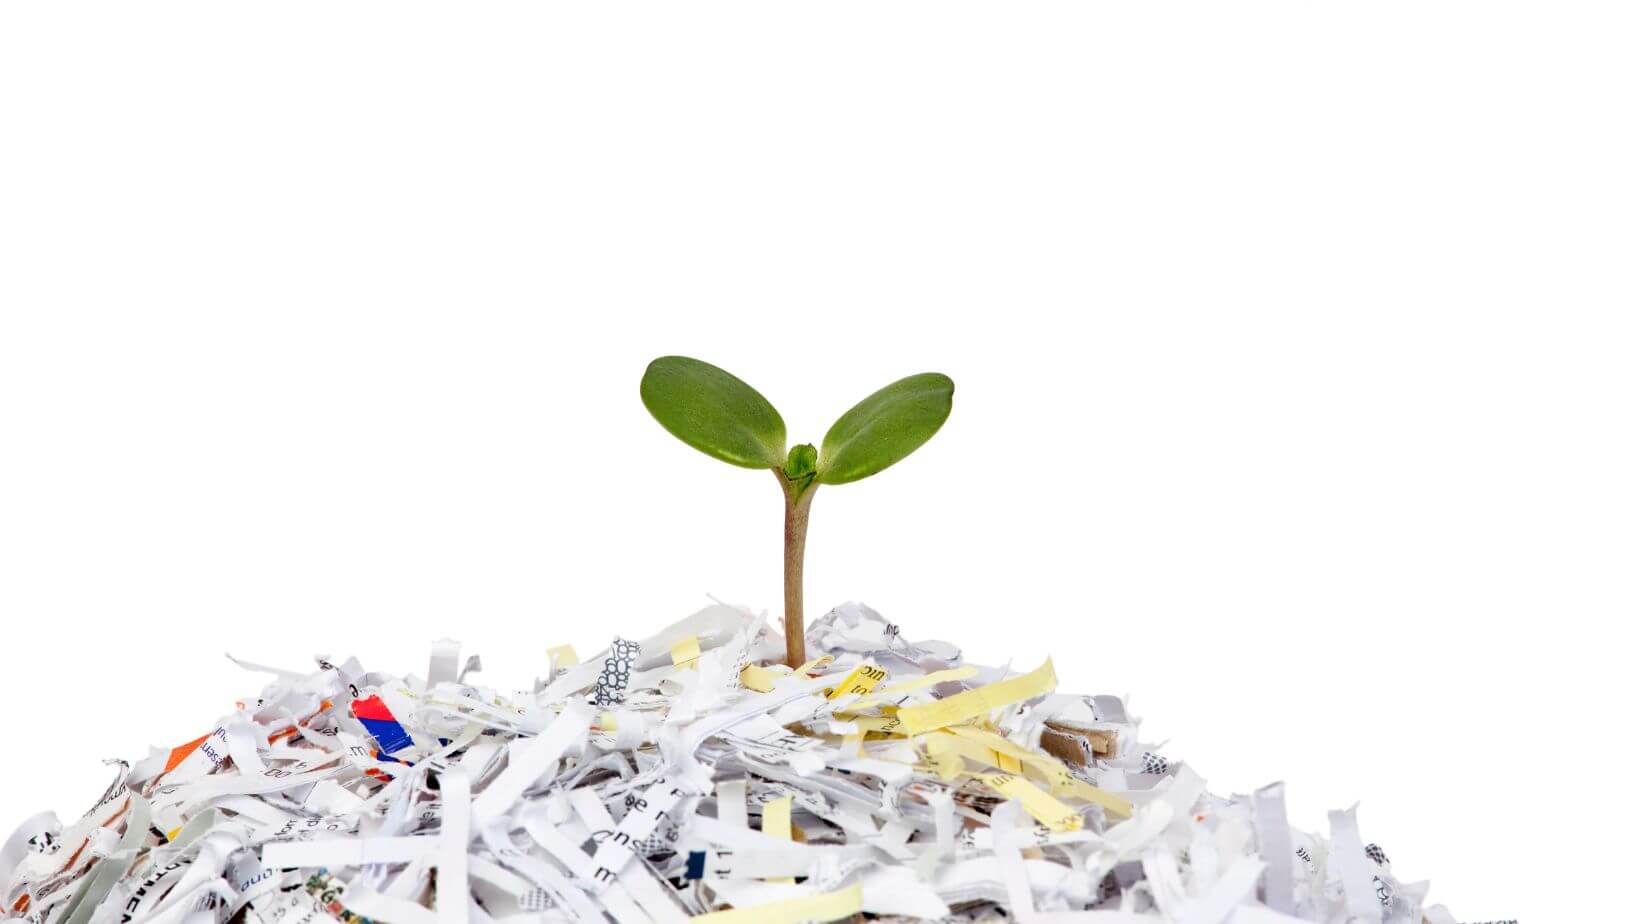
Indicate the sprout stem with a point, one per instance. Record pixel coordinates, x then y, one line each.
799 494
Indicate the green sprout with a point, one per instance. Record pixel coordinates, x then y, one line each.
727 419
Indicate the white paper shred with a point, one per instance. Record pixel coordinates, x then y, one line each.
684 777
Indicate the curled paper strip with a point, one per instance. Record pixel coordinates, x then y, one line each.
689 776
617 673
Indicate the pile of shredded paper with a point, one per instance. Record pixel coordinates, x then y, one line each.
690 777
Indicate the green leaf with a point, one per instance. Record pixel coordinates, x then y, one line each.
799 471
714 412
800 462
885 428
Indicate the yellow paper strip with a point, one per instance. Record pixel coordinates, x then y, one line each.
1111 802
948 765
1044 766
762 679
828 906
942 742
757 677
945 753
777 818
686 652
1044 808
817 664
777 823
916 720
862 680
875 723
563 656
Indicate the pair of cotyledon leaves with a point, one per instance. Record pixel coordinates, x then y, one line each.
727 419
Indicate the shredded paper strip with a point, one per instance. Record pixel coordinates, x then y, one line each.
690 777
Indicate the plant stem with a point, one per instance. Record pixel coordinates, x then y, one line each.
798 497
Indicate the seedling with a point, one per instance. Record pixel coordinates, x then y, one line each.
727 419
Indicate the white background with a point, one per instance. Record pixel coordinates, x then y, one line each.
1294 343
